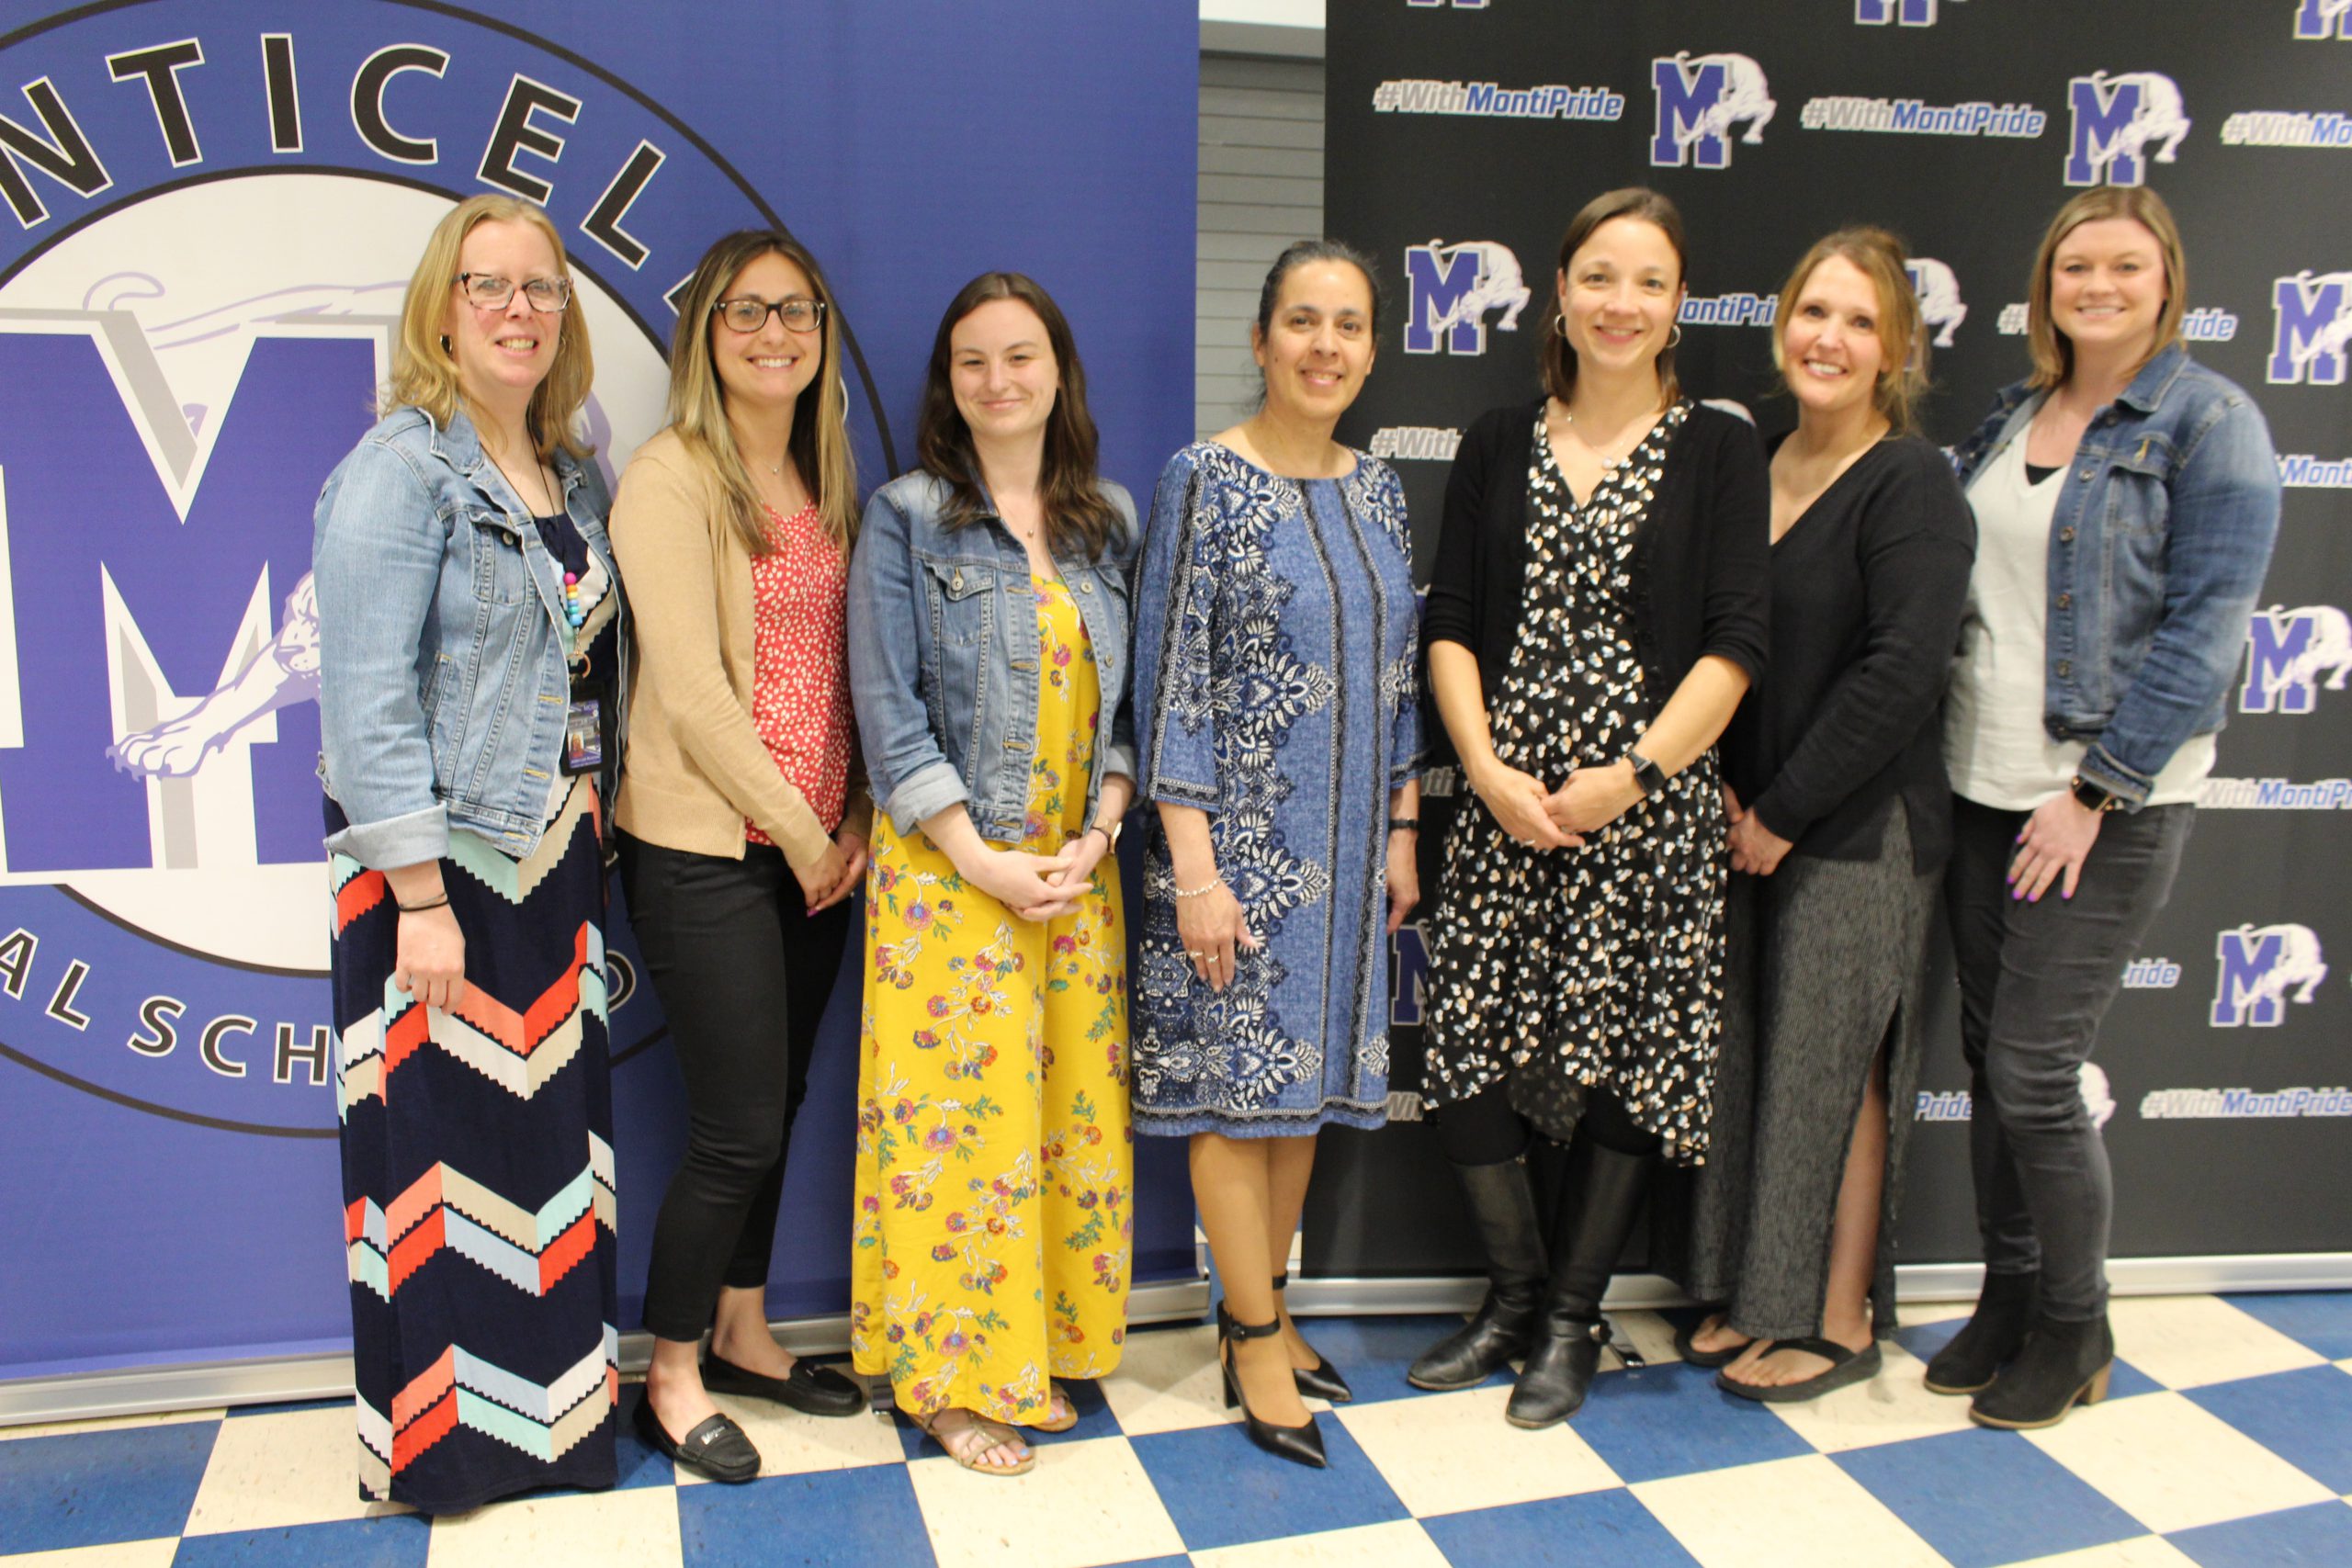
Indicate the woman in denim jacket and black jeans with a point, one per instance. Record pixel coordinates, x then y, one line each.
2126 500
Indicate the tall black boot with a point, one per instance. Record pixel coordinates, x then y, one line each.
1502 1206
1602 1195
2006 1308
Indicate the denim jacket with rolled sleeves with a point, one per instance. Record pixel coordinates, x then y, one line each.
444 680
2162 534
944 664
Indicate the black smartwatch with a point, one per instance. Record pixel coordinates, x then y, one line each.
1647 773
2094 797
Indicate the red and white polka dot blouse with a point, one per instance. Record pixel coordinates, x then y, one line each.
800 662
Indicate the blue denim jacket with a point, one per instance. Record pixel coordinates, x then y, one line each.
2162 534
943 656
443 678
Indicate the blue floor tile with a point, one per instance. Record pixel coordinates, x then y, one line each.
1986 1497
1670 1419
2321 1319
93 1488
634 1463
866 1518
397 1540
1222 1490
1372 1353
1596 1527
2316 1536
2303 1417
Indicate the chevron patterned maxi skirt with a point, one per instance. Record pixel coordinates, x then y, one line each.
478 1177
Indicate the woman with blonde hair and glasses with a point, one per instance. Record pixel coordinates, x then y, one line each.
742 824
472 658
1840 822
2126 501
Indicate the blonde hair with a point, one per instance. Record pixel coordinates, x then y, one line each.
424 376
2053 353
1878 256
1643 205
819 441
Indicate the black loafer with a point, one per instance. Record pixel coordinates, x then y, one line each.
717 1447
811 1390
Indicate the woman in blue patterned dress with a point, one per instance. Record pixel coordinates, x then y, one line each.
1279 737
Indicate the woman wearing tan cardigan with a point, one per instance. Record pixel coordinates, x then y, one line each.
742 829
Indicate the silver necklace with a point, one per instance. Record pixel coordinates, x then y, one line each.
1569 418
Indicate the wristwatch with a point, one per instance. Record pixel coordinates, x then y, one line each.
1647 773
2094 797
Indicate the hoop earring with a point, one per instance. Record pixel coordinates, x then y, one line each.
1560 321
445 342
1675 336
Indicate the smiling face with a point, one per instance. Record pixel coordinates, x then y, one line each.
1001 369
2107 286
501 355
1830 348
1619 295
770 368
1316 347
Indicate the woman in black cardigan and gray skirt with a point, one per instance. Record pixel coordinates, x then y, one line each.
1841 822
1596 608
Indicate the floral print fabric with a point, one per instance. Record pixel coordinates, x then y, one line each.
993 1233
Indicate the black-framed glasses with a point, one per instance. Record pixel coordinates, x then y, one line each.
491 292
799 313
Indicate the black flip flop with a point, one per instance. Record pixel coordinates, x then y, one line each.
1695 1356
1845 1367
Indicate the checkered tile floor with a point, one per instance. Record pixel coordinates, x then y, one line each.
2227 1442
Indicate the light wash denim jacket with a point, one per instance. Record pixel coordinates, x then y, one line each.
943 656
2162 534
443 647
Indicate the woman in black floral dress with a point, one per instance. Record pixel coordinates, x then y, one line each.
1597 610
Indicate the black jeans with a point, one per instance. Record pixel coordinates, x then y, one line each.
744 972
2035 980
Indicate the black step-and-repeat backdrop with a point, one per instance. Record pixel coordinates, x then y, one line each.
1462 136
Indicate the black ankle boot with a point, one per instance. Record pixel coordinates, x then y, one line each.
1502 1206
2063 1363
2005 1310
1603 1193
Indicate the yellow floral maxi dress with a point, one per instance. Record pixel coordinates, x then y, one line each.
995 1166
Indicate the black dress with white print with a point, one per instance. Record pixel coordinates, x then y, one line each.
1565 970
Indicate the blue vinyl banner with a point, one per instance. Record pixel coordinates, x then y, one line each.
208 211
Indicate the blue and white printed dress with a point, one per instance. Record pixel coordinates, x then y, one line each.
1276 639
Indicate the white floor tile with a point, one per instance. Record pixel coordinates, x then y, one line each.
109 1424
1399 1544
294 1467
1451 1451
2173 1466
1918 1314
794 1444
1789 1513
638 1528
1648 1333
1889 1408
2186 1341
1085 1504
1166 1382
2140 1551
121 1554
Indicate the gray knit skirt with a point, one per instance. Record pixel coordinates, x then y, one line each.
1824 966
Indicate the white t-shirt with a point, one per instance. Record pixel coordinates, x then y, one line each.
1995 746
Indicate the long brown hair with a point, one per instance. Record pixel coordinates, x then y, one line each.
1878 256
2053 352
1078 514
1649 207
819 441
424 376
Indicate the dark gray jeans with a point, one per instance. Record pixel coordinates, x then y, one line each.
2035 980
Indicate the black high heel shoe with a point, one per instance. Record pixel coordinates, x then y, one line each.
1321 1381
1300 1445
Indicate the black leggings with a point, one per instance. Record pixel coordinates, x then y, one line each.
744 972
1484 1130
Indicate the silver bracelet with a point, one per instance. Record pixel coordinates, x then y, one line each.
1210 886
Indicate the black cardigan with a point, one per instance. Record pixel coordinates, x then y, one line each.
1701 564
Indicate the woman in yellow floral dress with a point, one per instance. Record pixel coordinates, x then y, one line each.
987 624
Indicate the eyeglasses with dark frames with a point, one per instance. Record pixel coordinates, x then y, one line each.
489 292
799 313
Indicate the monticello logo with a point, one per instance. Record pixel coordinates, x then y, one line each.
2277 128
1904 12
2300 470
1916 117
2263 968
2290 654
1449 289
1700 99
2312 313
1553 100
2320 19
2116 120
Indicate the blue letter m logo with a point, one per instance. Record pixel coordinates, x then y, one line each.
1685 95
2324 19
143 564
2313 326
1438 279
2101 112
1909 13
